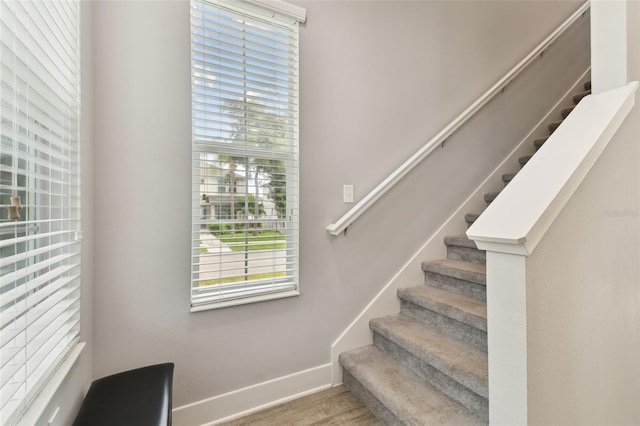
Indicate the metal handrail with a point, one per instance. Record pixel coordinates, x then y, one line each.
341 225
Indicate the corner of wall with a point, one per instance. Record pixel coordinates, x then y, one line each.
247 400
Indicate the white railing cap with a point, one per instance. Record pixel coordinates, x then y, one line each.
518 218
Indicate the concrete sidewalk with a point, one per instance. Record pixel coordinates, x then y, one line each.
212 244
226 263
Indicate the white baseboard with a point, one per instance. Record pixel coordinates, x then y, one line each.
358 333
253 398
241 402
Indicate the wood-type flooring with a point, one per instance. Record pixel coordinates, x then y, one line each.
335 406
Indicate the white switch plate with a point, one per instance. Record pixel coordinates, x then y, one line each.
347 192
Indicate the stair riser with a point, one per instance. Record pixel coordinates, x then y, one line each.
467 254
372 403
474 402
457 286
465 332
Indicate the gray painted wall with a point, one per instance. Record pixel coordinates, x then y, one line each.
583 298
378 79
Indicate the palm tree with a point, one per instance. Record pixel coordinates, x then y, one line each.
256 210
232 184
258 125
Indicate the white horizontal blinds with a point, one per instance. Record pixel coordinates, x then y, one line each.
39 163
245 152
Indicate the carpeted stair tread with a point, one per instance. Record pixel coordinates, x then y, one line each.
539 142
565 112
460 308
459 241
428 364
410 399
471 217
490 196
457 269
553 126
459 361
578 97
524 159
507 178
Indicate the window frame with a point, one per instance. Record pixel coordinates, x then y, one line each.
40 269
256 289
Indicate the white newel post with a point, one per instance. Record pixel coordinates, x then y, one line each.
507 338
515 222
512 226
506 329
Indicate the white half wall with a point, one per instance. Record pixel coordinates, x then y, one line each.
583 298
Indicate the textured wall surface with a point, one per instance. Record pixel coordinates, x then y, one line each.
583 298
583 290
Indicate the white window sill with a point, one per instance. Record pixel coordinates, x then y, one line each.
41 402
244 301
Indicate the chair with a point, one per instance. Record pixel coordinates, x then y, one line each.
140 397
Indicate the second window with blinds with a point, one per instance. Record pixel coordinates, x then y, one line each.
245 154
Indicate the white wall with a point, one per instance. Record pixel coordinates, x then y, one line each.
583 299
378 79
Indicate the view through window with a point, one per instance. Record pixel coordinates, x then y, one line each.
245 154
39 196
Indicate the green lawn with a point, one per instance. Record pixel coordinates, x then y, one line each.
265 240
238 279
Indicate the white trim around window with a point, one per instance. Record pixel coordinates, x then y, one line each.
245 191
40 247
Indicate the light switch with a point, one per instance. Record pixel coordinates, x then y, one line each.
347 191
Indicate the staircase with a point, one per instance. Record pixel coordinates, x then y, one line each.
428 364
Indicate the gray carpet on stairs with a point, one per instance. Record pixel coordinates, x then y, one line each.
396 395
428 364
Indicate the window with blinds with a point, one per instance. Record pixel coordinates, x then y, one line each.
39 196
245 154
